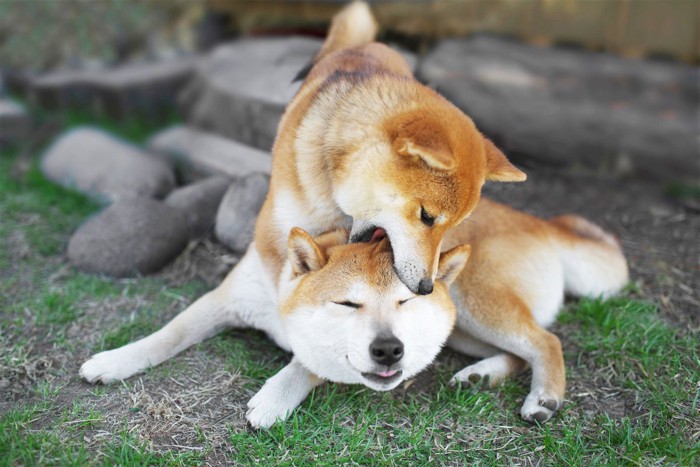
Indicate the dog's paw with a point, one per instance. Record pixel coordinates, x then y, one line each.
540 406
268 406
112 365
485 373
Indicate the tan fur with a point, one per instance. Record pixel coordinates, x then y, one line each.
508 293
361 145
361 120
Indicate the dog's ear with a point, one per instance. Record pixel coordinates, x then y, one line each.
423 139
452 262
498 168
332 238
304 254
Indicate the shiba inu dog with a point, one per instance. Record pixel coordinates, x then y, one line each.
348 318
362 146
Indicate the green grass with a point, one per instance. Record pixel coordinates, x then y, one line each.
643 373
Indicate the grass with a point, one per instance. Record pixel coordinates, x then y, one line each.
633 378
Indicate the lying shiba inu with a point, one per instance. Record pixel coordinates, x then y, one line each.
348 318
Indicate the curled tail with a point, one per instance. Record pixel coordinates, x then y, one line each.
594 264
352 26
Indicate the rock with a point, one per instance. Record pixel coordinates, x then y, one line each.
198 154
200 203
145 89
135 235
573 108
105 167
15 122
240 89
235 221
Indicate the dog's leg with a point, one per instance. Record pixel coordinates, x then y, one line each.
514 331
495 367
280 395
239 297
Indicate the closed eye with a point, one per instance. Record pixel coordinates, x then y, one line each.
349 304
426 218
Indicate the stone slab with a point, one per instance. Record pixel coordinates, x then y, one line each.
574 108
133 236
238 211
198 154
105 167
241 88
15 122
200 202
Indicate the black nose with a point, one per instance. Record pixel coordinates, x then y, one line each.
386 350
425 287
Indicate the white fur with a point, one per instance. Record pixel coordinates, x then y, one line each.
280 395
244 299
333 341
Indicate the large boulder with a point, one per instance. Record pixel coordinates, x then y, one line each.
198 154
132 236
200 202
104 167
571 107
235 221
241 89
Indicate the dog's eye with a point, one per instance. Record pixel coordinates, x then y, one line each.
349 304
426 218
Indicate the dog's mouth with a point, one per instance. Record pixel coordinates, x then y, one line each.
370 234
383 377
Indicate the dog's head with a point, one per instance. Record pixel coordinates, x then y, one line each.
349 318
424 178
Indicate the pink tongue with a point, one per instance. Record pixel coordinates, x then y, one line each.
378 234
386 374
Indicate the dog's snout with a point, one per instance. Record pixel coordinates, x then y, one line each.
425 287
386 350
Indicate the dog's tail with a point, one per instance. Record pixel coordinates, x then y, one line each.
352 26
594 264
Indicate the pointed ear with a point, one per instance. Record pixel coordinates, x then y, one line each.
303 253
421 137
498 168
452 262
434 152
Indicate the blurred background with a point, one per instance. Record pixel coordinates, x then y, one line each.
603 94
604 84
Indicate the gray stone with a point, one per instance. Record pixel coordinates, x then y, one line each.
200 203
132 236
241 89
199 154
573 108
15 122
105 167
235 221
146 89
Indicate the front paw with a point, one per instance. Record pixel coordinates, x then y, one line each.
540 406
112 365
268 406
